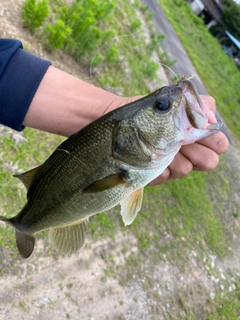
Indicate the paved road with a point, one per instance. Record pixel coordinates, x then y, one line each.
172 45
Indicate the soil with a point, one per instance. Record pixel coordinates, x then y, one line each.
54 287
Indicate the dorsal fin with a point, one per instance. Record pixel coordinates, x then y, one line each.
69 238
27 177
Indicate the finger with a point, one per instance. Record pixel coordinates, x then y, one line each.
161 179
218 142
202 157
210 108
209 103
180 166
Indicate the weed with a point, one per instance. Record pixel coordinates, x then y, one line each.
61 286
34 12
56 34
52 304
104 278
23 305
84 19
69 285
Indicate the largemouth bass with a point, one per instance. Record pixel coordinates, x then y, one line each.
108 163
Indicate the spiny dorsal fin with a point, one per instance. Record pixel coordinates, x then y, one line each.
108 182
69 238
27 177
131 205
25 243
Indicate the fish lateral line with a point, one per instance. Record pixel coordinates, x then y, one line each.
80 161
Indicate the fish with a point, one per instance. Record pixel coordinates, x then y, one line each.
108 162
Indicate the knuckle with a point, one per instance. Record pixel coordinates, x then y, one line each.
182 169
161 179
186 168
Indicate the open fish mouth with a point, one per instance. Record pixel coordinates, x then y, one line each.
190 116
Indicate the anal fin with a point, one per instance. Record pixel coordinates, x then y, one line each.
25 243
69 238
131 205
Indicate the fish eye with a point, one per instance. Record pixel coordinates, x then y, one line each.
162 104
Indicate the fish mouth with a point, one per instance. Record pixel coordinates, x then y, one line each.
190 116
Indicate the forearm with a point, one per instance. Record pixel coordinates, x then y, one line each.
64 104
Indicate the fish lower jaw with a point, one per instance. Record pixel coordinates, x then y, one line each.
197 134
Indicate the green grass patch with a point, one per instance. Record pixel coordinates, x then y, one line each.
133 60
227 306
108 34
34 151
181 209
102 225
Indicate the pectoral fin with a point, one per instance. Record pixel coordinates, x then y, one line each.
108 182
131 205
69 238
27 177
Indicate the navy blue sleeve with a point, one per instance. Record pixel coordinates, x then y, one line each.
20 76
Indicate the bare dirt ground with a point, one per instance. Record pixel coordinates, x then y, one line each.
76 287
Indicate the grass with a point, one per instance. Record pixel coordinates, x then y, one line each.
218 72
227 306
137 69
15 158
187 213
178 217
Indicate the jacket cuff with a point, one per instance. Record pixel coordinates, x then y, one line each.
18 86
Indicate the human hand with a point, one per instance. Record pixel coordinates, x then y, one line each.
201 155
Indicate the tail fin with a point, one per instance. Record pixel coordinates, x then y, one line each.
25 242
